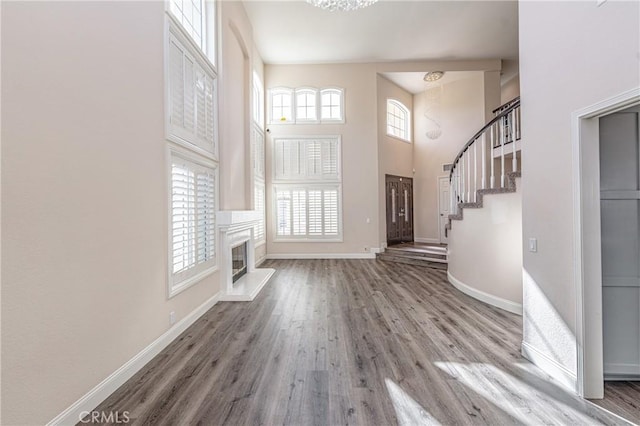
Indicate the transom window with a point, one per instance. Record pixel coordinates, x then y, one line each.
306 105
191 13
332 104
281 105
398 120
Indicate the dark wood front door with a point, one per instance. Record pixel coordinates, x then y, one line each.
399 195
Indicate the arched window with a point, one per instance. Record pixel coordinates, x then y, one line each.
398 120
281 105
306 105
332 105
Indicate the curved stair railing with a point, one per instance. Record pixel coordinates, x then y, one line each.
474 169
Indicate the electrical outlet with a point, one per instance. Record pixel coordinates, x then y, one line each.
172 317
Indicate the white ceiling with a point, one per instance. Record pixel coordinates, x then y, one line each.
295 32
413 82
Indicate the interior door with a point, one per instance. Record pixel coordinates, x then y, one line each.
619 208
399 196
443 206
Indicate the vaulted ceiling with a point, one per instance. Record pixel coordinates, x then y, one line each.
296 32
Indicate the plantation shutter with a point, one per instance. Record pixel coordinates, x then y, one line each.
307 187
192 218
259 230
191 92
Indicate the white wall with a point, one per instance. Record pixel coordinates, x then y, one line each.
236 181
572 54
510 89
485 250
462 112
85 200
359 153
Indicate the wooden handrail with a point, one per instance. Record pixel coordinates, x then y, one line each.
506 112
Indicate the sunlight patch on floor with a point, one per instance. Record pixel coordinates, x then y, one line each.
408 411
528 403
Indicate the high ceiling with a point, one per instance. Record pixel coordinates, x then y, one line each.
295 32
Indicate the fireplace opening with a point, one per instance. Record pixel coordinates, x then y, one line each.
238 262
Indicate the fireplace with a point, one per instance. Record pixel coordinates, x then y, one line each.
238 262
241 280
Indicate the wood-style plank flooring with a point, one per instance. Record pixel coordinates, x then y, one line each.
337 342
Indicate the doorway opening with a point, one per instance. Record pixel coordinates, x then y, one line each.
589 239
399 196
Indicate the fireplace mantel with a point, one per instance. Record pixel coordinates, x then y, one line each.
237 227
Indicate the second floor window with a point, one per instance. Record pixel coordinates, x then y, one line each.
398 120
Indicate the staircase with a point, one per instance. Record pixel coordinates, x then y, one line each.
429 255
480 168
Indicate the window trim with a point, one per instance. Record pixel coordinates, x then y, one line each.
403 108
306 186
306 183
340 91
175 288
310 90
209 24
174 28
291 93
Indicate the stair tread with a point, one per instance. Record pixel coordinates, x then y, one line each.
429 250
417 262
423 258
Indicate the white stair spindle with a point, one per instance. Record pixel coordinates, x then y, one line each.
514 161
484 159
469 175
451 197
462 189
492 182
502 152
475 170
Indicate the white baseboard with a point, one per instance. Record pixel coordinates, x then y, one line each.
370 255
375 250
498 302
427 240
558 372
104 389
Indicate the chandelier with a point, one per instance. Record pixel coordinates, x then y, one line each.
341 5
433 97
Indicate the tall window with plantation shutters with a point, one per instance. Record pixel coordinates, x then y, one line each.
307 189
191 133
193 210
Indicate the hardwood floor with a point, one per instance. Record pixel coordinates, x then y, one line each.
622 398
331 342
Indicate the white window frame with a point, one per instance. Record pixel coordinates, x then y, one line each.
208 25
308 181
293 96
286 91
258 155
314 106
257 112
176 34
182 280
260 237
340 93
394 103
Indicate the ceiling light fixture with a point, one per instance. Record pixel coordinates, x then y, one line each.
341 5
433 76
